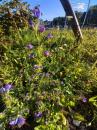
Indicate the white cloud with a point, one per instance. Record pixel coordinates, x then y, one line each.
80 6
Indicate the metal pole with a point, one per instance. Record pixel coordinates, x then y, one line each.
86 14
73 20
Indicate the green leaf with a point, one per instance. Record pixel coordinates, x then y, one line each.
78 117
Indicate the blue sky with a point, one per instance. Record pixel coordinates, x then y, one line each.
53 8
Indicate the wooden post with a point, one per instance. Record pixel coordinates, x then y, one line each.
73 19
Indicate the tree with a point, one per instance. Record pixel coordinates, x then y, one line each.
59 21
14 14
91 19
92 16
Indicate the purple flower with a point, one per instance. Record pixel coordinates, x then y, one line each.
38 115
47 53
36 12
49 36
41 28
30 46
8 87
47 74
2 90
84 100
13 123
5 88
20 121
37 67
31 56
31 23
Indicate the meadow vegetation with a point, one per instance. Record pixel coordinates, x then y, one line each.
48 81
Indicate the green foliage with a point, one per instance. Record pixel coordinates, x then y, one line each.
54 85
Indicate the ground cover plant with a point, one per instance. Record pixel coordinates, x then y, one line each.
48 81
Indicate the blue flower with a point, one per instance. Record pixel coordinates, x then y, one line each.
31 56
84 100
31 23
41 28
49 36
36 12
37 67
46 53
47 74
2 90
8 87
38 115
13 123
5 88
20 121
30 46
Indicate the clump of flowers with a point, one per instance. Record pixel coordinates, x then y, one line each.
5 88
20 121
